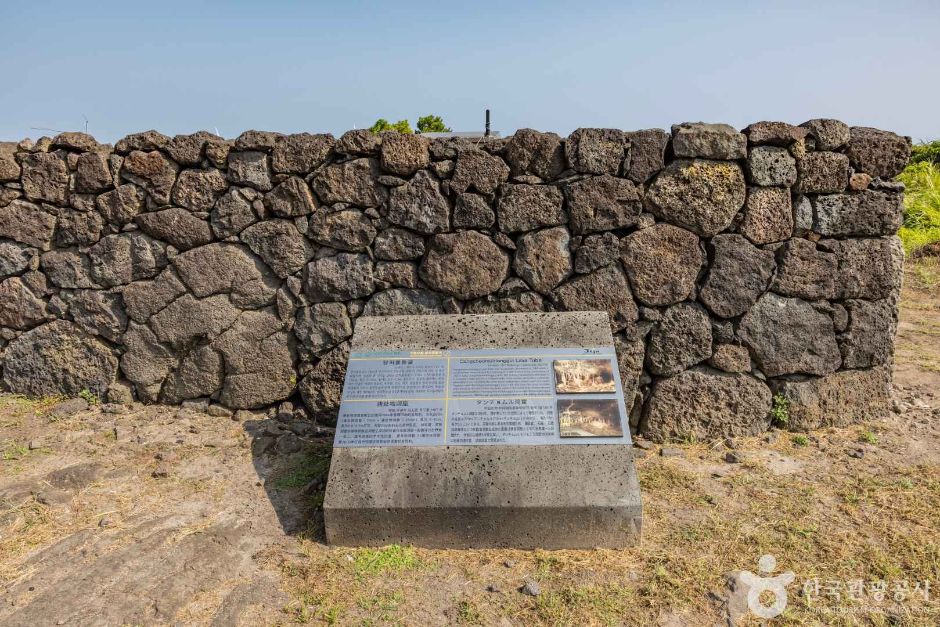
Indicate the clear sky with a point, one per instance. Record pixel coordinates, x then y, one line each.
317 66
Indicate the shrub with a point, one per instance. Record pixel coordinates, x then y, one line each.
921 205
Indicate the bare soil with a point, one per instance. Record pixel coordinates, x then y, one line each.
156 516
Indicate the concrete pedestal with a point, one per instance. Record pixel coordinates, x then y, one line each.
551 497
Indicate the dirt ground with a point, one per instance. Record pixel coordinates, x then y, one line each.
154 515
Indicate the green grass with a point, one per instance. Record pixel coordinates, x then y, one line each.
921 205
387 559
315 465
800 440
780 410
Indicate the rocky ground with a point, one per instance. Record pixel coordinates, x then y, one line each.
153 515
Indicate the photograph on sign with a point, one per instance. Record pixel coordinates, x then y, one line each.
584 376
589 418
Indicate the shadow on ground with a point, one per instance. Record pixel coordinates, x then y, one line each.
292 460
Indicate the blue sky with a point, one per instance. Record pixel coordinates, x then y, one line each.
316 66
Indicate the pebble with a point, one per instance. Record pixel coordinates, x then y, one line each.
113 408
220 411
161 472
493 588
671 452
531 588
730 443
733 458
856 453
509 563
642 443
106 521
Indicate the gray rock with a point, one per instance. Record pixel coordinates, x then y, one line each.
348 229
510 303
353 182
74 141
279 244
805 271
198 190
739 274
708 141
259 361
398 244
20 307
681 339
702 196
542 258
531 588
602 203
121 205
478 171
359 142
189 149
68 268
867 268
828 134
145 298
92 173
225 268
126 257
341 277
10 169
788 336
26 223
146 362
881 154
771 166
78 228
836 400
99 313
57 359
250 168
322 387
605 289
531 152
466 265
596 251
200 373
403 153
869 213
263 141
146 140
471 211
869 338
396 274
175 226
404 302
301 153
731 358
647 154
822 172
68 408
322 326
703 404
768 215
188 321
153 172
290 199
597 150
233 212
663 263
419 205
774 134
15 258
529 207
45 177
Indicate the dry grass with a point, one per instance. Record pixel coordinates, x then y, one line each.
864 521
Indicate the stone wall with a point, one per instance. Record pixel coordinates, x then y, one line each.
734 266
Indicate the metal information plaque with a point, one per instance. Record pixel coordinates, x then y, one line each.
480 397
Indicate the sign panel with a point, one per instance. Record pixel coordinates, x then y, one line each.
481 397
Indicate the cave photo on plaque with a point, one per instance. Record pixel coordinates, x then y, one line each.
584 376
589 418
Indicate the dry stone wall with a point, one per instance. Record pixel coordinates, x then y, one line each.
735 266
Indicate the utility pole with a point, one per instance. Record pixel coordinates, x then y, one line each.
487 133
